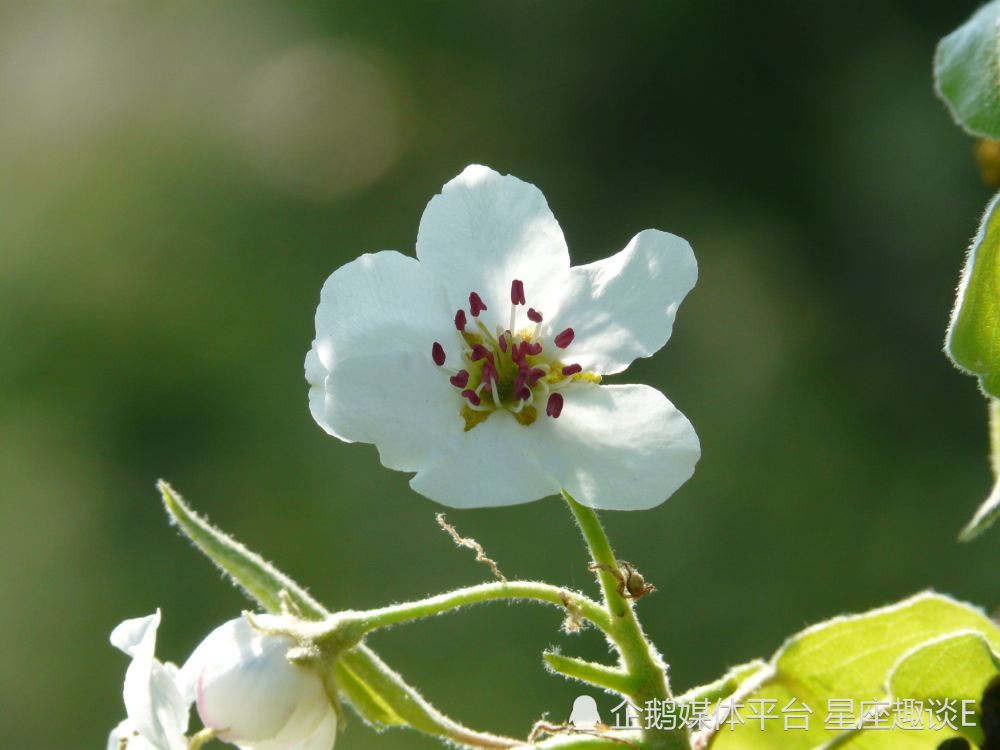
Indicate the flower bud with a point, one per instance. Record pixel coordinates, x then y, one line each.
252 696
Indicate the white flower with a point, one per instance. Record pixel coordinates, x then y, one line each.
246 689
154 695
477 365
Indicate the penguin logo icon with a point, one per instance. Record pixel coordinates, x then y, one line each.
584 714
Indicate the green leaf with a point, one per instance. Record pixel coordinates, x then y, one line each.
248 570
851 657
955 667
973 341
967 72
264 583
854 658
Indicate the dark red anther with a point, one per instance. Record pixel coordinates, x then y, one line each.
503 342
565 338
459 379
476 304
437 354
532 349
534 316
472 396
572 369
523 393
554 405
535 375
481 352
516 353
460 320
517 292
489 374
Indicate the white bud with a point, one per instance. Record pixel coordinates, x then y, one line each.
252 696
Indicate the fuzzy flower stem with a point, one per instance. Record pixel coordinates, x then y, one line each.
544 593
639 658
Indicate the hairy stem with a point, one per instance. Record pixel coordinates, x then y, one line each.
544 593
639 658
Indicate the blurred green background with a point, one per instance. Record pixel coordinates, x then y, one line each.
179 178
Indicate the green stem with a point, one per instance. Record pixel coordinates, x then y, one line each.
987 513
590 672
397 614
639 657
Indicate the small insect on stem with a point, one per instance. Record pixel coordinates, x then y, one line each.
631 584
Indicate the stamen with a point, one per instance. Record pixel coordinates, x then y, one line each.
476 304
503 342
460 320
489 375
471 396
523 393
519 381
481 352
565 338
460 379
532 349
517 292
437 354
572 369
554 406
496 397
534 316
535 376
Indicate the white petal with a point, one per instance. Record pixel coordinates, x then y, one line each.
312 725
483 231
316 377
623 307
125 737
491 468
246 688
381 302
153 699
139 632
617 447
324 736
401 402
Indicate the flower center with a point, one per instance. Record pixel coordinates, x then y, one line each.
510 368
